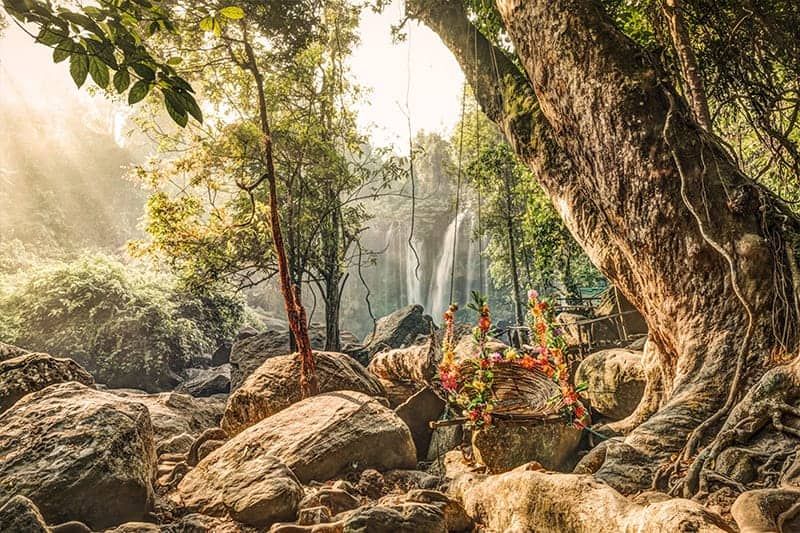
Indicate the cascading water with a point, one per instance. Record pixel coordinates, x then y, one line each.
439 291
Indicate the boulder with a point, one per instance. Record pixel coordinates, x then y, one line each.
615 379
7 351
276 386
422 408
173 413
327 435
19 514
177 444
79 454
335 500
31 372
251 352
208 382
529 499
408 517
222 355
444 439
404 371
249 485
402 328
455 517
506 445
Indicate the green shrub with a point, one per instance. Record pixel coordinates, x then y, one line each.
128 327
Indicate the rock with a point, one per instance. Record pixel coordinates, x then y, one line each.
20 515
218 434
417 412
222 355
136 527
399 329
615 379
7 351
533 500
177 444
249 485
327 435
759 511
173 413
31 372
406 480
371 484
403 518
637 345
199 523
444 439
455 517
504 445
276 386
251 352
335 500
69 448
404 371
73 526
207 447
248 331
313 515
575 334
208 382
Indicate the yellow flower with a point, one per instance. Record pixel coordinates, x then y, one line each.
511 354
478 385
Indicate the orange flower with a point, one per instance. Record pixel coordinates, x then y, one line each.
528 362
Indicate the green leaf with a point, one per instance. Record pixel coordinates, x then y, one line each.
79 68
138 91
144 71
63 50
122 80
190 104
174 61
99 71
49 38
232 12
175 108
207 24
103 50
217 28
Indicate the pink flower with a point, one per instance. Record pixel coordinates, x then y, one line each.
532 294
496 357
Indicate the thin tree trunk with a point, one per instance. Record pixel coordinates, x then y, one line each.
295 312
512 251
690 69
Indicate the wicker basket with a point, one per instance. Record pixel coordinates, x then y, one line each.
520 392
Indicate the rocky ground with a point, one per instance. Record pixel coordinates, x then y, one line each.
235 449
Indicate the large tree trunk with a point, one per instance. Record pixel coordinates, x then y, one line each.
654 200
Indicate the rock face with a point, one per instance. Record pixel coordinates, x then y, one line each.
417 412
504 446
276 386
79 454
31 372
173 413
207 382
253 488
616 381
401 328
20 514
328 435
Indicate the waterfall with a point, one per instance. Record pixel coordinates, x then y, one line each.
439 290
413 276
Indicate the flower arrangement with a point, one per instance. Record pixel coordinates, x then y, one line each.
472 390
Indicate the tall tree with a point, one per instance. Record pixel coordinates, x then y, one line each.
661 208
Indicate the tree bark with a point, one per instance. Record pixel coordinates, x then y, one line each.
687 59
656 202
295 312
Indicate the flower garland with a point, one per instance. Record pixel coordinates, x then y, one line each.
473 393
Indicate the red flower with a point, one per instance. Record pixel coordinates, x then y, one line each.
484 323
485 363
528 362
